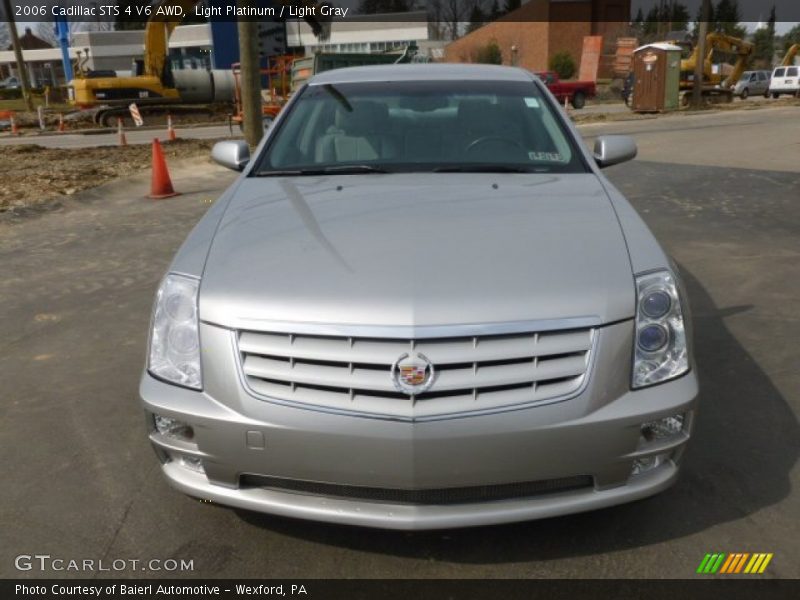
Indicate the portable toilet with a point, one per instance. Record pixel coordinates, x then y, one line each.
657 78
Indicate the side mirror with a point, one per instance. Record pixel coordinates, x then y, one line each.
232 154
614 149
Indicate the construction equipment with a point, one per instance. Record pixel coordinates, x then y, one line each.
278 75
715 86
287 73
154 86
788 60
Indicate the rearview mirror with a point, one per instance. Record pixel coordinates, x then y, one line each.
614 149
232 154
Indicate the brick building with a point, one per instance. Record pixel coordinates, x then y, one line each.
530 35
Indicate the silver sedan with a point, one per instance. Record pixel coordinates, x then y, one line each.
421 305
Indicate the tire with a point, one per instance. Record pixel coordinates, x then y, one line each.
775 96
766 93
578 100
745 93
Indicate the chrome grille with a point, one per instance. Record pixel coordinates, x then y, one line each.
472 373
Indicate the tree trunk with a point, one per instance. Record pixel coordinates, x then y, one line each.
699 67
252 122
22 72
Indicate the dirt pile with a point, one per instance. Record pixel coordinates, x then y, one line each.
36 177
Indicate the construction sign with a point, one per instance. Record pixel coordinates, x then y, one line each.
135 114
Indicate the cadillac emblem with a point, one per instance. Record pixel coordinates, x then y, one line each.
412 374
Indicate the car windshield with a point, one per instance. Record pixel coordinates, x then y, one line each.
427 126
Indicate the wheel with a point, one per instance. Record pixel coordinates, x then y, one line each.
766 93
745 93
109 119
579 100
775 96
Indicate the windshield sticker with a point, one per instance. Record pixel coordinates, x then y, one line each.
532 102
546 156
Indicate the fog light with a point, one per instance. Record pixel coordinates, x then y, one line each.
648 463
193 463
662 429
173 427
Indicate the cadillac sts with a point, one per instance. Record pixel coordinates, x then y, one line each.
421 305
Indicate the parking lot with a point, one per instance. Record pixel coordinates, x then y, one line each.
719 189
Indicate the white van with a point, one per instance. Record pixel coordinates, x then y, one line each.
785 80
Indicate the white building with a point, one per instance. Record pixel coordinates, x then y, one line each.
190 48
368 33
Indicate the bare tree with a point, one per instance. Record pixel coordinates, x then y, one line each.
45 31
5 36
450 18
97 26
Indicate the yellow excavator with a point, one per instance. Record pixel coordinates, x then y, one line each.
152 86
715 87
788 60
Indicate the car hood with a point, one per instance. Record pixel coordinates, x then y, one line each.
417 250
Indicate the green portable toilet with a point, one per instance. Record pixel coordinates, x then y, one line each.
656 78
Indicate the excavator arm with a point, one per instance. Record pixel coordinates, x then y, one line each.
160 26
718 42
732 45
788 60
157 31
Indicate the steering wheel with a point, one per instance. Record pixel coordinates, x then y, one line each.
493 138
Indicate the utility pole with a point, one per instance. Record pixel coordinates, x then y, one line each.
699 67
250 76
22 72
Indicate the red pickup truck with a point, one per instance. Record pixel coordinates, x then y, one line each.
576 91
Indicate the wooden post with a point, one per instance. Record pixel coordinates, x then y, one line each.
699 67
250 77
21 71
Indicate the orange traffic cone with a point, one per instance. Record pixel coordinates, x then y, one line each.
161 186
171 135
121 133
61 128
14 126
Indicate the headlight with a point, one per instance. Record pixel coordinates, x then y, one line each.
660 351
174 339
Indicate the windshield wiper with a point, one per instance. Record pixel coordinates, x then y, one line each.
347 169
333 170
482 169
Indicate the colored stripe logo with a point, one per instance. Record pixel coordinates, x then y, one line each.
734 563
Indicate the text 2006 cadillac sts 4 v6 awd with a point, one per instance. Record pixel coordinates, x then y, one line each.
421 305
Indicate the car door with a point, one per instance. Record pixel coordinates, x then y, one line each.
758 83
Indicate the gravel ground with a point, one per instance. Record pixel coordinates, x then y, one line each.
37 178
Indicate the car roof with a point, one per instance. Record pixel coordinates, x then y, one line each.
422 72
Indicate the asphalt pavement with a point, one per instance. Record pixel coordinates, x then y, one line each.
80 480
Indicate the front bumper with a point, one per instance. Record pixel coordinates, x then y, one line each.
595 435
